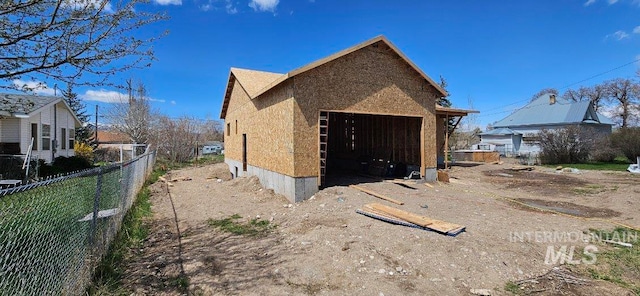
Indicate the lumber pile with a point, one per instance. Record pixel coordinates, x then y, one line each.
401 217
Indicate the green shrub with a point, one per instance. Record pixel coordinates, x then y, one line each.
567 145
627 140
603 150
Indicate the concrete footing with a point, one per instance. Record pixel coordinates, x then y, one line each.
294 189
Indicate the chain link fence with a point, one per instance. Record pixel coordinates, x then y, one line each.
54 232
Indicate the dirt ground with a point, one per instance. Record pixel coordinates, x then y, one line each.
322 246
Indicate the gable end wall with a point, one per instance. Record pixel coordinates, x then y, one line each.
371 80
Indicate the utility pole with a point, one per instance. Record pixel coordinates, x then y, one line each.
96 125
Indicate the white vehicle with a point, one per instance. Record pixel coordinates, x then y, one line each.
211 150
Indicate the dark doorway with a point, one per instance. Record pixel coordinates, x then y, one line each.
244 152
376 145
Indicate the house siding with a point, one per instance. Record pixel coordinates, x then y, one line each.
372 80
268 123
10 130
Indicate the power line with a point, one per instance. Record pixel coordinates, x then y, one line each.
562 88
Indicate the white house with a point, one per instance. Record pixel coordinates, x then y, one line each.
48 120
518 132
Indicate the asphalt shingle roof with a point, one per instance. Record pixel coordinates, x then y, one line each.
17 103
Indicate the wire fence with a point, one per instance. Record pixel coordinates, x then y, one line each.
53 233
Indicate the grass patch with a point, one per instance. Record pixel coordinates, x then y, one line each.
593 189
619 265
618 164
512 288
108 274
208 159
253 227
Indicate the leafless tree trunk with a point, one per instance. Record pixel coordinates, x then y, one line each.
133 115
178 139
625 94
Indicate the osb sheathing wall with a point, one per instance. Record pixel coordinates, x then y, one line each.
268 123
371 80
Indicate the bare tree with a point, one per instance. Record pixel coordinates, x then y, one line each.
624 93
64 39
544 91
596 94
576 95
133 115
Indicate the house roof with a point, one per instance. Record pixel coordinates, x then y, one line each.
261 81
500 131
541 112
14 105
112 137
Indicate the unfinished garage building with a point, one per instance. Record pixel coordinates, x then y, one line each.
365 109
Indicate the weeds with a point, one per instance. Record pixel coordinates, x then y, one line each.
108 274
619 265
512 287
254 227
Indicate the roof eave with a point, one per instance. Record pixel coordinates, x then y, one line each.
349 50
227 96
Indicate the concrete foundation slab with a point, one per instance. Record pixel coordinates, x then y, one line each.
294 189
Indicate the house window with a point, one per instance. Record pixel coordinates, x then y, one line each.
34 135
236 127
72 136
228 129
63 132
46 137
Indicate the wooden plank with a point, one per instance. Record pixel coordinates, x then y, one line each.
378 195
404 215
437 225
428 185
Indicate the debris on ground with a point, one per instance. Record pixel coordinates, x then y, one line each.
397 216
634 168
522 168
569 170
443 176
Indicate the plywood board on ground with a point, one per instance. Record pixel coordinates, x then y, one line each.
437 225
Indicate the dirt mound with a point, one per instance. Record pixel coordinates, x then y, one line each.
219 171
246 184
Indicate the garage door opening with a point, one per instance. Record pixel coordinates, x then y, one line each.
381 146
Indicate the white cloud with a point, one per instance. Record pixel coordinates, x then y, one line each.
636 30
230 8
215 5
618 35
206 7
109 96
612 1
168 2
264 5
589 2
36 87
173 102
105 96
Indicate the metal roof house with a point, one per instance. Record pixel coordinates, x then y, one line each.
517 133
48 120
291 130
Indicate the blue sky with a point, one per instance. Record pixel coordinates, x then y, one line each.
494 54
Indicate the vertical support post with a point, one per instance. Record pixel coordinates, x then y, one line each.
96 205
446 142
